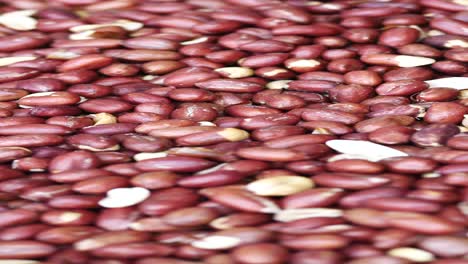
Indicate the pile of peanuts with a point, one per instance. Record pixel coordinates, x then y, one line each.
233 131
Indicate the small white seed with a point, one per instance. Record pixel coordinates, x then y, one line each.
274 72
463 129
363 148
322 131
148 155
333 228
88 244
18 21
280 84
463 94
304 63
289 215
456 43
148 77
220 223
10 60
68 217
431 175
280 185
463 206
128 25
411 254
461 2
331 6
459 83
82 99
217 242
103 119
233 134
194 41
434 32
465 121
206 123
235 72
21 13
82 35
62 55
124 197
406 61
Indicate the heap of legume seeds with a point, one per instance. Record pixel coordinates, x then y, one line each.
233 131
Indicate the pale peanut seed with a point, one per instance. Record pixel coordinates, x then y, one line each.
363 148
235 72
280 185
194 41
20 23
233 134
411 254
289 215
280 84
217 242
459 83
406 61
124 197
302 64
10 60
149 155
103 119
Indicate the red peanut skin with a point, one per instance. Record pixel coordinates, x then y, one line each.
216 178
167 200
110 238
175 164
160 81
22 232
421 223
133 250
349 181
20 249
66 235
17 217
99 185
445 112
268 253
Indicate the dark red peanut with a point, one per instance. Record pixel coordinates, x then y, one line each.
204 103
24 249
168 200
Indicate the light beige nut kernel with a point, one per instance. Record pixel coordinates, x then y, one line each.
289 215
280 185
280 84
217 242
411 254
103 119
235 72
406 61
233 134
